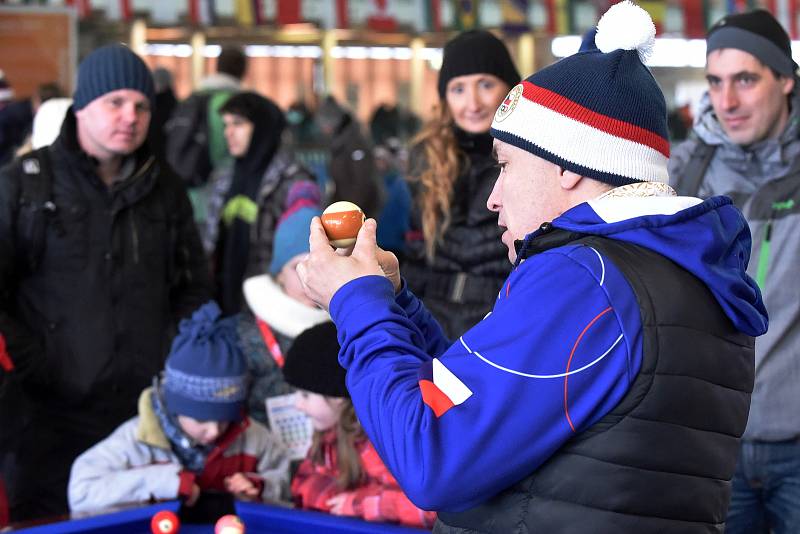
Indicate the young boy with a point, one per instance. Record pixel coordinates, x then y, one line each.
191 434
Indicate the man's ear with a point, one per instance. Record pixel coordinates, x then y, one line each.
568 180
788 85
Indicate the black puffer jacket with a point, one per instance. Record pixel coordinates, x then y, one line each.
90 324
460 285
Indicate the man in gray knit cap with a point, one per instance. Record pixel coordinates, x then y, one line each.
746 144
99 259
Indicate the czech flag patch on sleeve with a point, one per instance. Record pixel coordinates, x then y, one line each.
441 389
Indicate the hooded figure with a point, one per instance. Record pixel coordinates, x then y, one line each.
249 200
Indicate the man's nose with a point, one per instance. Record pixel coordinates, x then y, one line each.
130 113
493 203
730 99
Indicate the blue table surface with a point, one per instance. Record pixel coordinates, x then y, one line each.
258 519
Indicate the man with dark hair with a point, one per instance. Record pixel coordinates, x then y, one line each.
99 260
232 61
195 136
746 145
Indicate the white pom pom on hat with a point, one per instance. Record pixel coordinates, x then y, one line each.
626 26
599 112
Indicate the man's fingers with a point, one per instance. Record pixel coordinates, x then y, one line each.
366 242
317 238
302 272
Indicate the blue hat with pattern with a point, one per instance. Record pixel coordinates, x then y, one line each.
206 372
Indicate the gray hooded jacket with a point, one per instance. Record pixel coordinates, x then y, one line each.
764 181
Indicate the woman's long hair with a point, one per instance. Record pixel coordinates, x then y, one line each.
348 433
442 159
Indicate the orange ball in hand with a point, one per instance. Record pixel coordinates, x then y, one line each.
342 220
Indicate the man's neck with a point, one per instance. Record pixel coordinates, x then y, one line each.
108 169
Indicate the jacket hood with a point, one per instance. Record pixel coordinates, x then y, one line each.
710 239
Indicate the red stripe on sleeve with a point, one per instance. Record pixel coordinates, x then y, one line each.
435 398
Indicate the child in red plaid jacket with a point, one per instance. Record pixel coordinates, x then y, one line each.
342 473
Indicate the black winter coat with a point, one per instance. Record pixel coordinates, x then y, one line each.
91 324
459 286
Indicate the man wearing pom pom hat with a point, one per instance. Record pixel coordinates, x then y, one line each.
607 389
746 145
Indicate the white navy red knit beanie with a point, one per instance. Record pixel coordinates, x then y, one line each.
598 113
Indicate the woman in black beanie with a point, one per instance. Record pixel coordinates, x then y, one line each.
455 260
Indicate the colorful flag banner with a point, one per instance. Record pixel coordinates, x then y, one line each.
250 12
739 6
202 12
695 18
288 12
515 15
380 19
466 14
119 10
431 15
332 14
558 19
84 7
658 12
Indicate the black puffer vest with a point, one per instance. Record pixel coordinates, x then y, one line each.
662 460
460 284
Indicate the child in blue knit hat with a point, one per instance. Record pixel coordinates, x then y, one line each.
192 433
280 308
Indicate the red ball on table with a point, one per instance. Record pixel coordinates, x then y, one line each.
165 522
229 524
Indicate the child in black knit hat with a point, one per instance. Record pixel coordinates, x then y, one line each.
342 473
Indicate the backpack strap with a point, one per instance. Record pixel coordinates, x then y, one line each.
689 182
36 206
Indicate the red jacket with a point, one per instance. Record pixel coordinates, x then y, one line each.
377 498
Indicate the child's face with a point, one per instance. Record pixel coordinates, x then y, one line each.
202 432
289 280
323 411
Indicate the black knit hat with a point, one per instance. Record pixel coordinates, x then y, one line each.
475 52
312 363
111 68
758 33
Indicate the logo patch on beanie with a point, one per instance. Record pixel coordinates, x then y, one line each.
508 104
229 392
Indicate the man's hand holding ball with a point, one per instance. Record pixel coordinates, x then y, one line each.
324 271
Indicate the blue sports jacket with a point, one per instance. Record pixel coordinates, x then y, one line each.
458 422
